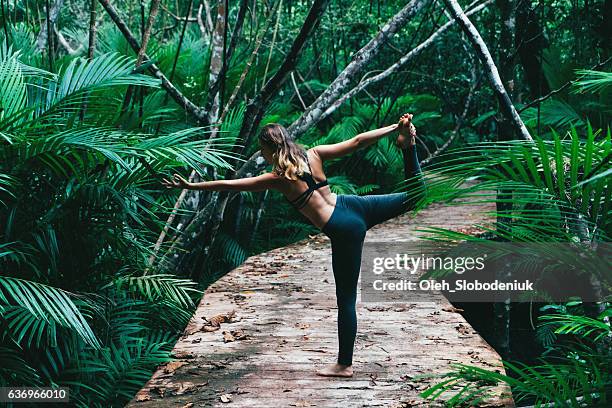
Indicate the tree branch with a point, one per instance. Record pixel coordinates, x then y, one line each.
562 88
485 57
174 93
361 58
364 83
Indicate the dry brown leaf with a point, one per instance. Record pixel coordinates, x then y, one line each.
173 366
185 388
233 335
377 308
452 309
462 329
239 334
182 355
143 396
302 403
228 337
216 321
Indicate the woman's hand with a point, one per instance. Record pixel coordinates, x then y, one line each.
177 182
407 132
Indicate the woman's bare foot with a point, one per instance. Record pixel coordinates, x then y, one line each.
407 132
336 370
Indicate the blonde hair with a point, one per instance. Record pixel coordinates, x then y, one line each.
289 157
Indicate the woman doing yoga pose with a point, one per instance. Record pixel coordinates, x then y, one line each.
298 174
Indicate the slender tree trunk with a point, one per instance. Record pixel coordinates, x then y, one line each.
490 68
505 132
230 50
416 51
142 51
52 14
530 41
258 216
176 95
93 29
216 59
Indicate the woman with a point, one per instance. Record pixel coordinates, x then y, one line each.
343 218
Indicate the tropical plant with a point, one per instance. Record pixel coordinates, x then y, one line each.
559 193
78 214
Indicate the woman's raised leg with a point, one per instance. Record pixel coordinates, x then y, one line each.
382 207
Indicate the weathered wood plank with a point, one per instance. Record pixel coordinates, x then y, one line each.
284 327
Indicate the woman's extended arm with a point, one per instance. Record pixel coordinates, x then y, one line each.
335 150
259 183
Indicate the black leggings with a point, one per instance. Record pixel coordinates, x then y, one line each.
346 228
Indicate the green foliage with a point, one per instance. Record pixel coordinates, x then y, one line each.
81 207
559 193
553 182
78 218
578 376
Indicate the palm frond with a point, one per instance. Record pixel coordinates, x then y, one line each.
160 287
43 302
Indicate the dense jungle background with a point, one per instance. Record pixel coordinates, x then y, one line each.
101 267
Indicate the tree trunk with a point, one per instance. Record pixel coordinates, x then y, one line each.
490 68
52 15
93 30
361 58
505 132
216 60
530 42
203 229
174 93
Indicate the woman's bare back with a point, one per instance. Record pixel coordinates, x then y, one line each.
320 205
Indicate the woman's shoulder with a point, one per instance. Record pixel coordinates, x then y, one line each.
313 153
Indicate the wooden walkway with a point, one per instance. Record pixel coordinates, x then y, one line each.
284 327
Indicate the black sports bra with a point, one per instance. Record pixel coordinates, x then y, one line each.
303 198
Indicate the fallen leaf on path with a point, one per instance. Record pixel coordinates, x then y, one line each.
228 337
226 398
377 308
452 309
143 396
218 319
173 366
462 329
185 388
233 335
182 355
302 403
